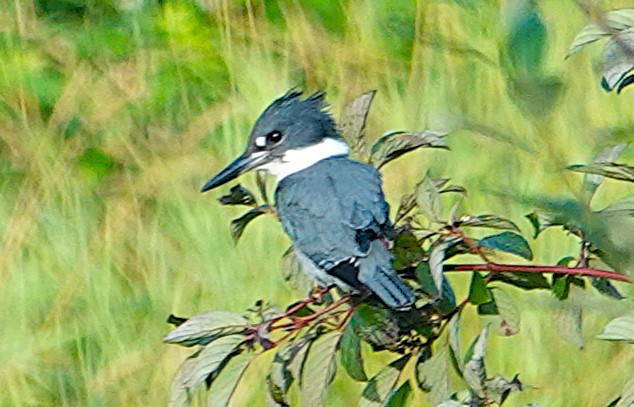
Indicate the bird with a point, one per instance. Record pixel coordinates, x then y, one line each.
332 207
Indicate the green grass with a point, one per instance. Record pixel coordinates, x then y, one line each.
110 120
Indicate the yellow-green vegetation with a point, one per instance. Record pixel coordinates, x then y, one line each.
114 112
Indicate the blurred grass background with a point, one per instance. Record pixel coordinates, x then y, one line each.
114 112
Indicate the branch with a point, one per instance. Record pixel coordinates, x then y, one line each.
517 268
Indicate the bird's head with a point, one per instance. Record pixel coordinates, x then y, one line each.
290 135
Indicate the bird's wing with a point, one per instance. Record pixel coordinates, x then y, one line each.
333 210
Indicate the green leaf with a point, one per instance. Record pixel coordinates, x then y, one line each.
400 396
407 204
541 221
474 371
353 120
605 287
505 321
589 34
376 326
445 303
436 260
380 386
406 251
394 144
279 379
488 221
479 293
319 369
432 375
293 274
350 355
238 195
561 283
627 395
299 352
508 242
193 372
610 154
617 20
498 388
619 329
611 170
223 387
568 321
238 225
618 59
428 198
454 344
203 328
523 279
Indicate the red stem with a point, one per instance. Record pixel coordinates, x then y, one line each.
516 268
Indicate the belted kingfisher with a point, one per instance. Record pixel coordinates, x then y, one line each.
332 207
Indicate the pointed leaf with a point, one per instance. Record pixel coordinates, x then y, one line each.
298 360
319 369
589 34
400 396
279 378
293 274
445 303
454 344
224 386
238 225
541 220
618 58
350 355
436 260
428 199
394 144
238 195
376 326
525 280
204 328
479 293
506 320
508 242
568 320
380 386
619 329
432 375
498 388
605 287
488 221
611 170
353 119
406 251
193 372
474 371
610 154
627 395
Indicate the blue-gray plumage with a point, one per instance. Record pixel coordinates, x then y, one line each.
332 208
342 225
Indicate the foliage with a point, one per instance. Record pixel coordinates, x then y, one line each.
312 337
618 54
113 112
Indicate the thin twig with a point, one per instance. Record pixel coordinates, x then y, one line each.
517 268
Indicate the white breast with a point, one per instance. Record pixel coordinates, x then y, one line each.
296 160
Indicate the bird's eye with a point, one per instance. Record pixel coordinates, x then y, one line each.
274 137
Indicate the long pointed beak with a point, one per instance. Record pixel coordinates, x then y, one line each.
240 165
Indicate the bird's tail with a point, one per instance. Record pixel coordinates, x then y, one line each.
377 274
